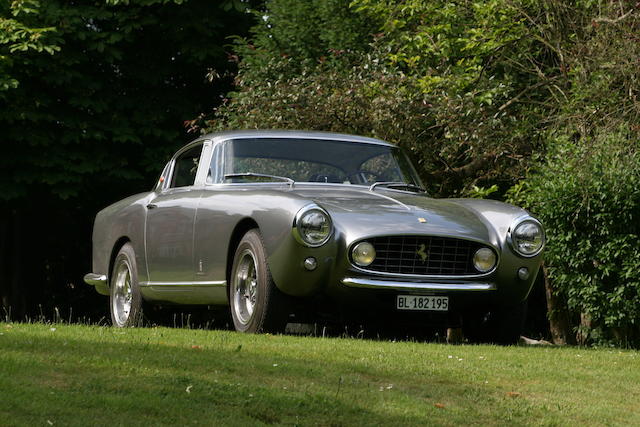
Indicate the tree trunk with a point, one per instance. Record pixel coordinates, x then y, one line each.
559 324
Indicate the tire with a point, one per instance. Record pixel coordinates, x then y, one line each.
499 326
256 304
125 300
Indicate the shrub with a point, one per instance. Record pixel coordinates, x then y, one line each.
587 193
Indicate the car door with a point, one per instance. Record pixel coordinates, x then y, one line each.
170 220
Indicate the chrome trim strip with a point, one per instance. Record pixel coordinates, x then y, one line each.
353 282
94 279
212 284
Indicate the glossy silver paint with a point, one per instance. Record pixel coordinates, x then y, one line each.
183 236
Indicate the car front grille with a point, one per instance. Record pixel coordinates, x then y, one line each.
424 255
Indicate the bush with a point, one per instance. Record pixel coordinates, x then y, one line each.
587 193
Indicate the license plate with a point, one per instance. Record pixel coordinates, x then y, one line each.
422 303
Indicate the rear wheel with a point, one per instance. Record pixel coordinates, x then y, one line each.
257 305
124 293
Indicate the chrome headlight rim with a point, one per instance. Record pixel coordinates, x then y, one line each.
297 232
514 226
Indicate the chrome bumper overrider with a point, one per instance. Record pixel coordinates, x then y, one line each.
415 286
99 281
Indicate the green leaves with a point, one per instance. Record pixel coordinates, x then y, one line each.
95 92
21 38
588 196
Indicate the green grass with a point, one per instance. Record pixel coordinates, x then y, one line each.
79 375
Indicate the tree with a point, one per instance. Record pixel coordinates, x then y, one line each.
457 83
94 98
586 189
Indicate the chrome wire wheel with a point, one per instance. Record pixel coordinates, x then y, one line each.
245 287
122 293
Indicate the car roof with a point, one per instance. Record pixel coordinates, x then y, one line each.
300 134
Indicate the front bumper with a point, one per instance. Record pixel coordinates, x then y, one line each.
99 281
354 282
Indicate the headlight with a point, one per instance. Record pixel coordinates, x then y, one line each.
313 226
484 260
363 254
527 237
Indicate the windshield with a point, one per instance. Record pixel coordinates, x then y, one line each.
316 160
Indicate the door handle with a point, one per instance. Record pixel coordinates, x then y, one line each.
152 206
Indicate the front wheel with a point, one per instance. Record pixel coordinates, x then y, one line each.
124 293
257 305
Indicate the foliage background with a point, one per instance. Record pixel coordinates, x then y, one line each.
93 97
534 101
530 101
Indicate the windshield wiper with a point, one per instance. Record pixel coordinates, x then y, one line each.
397 184
259 175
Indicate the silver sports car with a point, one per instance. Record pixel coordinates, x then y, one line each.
284 225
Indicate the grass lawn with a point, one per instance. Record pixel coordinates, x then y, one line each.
79 375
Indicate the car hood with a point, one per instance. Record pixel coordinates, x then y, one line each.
360 213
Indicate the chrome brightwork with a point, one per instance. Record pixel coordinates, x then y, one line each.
213 284
415 286
244 287
95 279
297 232
165 183
394 185
516 223
430 276
122 293
260 175
99 281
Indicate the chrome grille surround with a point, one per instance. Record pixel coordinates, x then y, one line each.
423 256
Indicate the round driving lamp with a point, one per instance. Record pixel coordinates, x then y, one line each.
313 226
527 237
484 260
363 254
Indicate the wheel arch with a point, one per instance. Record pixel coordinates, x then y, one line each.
123 240
239 231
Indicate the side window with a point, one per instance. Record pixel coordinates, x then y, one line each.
186 167
214 175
